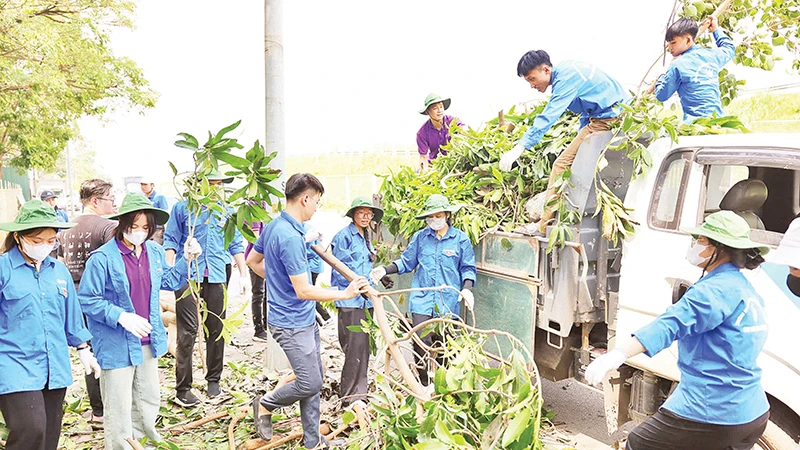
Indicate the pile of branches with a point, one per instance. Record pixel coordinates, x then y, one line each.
493 200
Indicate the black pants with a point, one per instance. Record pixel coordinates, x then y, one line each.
668 431
355 346
33 418
258 304
186 318
421 357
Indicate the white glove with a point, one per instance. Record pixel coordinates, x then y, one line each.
469 298
313 235
244 288
376 274
136 324
89 362
510 156
598 369
192 249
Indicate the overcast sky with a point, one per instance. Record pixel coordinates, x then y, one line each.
357 71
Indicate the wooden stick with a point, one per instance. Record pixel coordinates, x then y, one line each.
337 432
381 319
232 429
134 443
294 435
177 429
361 413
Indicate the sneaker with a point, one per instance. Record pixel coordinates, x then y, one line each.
263 422
96 422
261 335
187 399
213 389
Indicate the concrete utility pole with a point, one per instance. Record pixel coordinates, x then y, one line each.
273 58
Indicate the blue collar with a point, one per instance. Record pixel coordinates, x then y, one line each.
450 232
295 224
354 230
17 260
722 268
152 194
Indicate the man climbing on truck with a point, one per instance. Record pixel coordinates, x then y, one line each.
580 87
694 73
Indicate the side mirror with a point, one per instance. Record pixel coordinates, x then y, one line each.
679 287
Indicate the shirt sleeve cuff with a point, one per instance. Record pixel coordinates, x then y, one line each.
113 316
651 338
83 335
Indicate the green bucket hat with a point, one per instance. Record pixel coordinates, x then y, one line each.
431 99
136 201
363 202
437 203
35 214
728 228
217 175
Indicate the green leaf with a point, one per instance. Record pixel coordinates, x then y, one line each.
506 244
348 417
227 130
516 427
233 160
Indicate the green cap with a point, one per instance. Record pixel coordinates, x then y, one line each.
728 228
35 214
136 201
363 202
434 98
437 203
217 175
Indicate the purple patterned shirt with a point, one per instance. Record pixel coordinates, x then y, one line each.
429 139
138 272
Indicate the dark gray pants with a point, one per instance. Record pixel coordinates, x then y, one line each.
668 431
33 418
421 357
355 346
258 302
301 346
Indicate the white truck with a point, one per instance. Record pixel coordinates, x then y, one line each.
578 301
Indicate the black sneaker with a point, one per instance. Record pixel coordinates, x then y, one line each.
187 399
213 389
261 335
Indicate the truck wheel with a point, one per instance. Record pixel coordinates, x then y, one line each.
775 438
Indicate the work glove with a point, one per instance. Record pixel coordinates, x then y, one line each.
192 249
508 159
244 288
376 274
598 369
136 324
469 298
89 362
313 235
387 282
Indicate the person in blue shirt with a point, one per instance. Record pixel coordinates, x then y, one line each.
40 318
148 188
580 87
439 254
119 294
694 73
788 254
315 267
280 257
210 271
720 326
353 247
50 197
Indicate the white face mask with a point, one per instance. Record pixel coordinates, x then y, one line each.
436 224
693 254
136 237
37 252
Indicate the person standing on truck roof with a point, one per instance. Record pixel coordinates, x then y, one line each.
148 187
788 254
439 254
353 247
279 256
694 71
580 87
40 318
119 293
720 326
435 132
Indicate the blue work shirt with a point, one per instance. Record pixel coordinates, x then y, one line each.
209 233
61 215
350 247
284 249
447 261
582 88
105 293
39 318
314 260
158 200
720 326
694 74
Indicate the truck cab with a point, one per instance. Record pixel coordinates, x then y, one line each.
576 302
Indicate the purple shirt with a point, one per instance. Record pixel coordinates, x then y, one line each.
256 227
138 271
429 139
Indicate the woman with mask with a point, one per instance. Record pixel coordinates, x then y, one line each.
720 327
119 294
40 318
440 255
353 247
